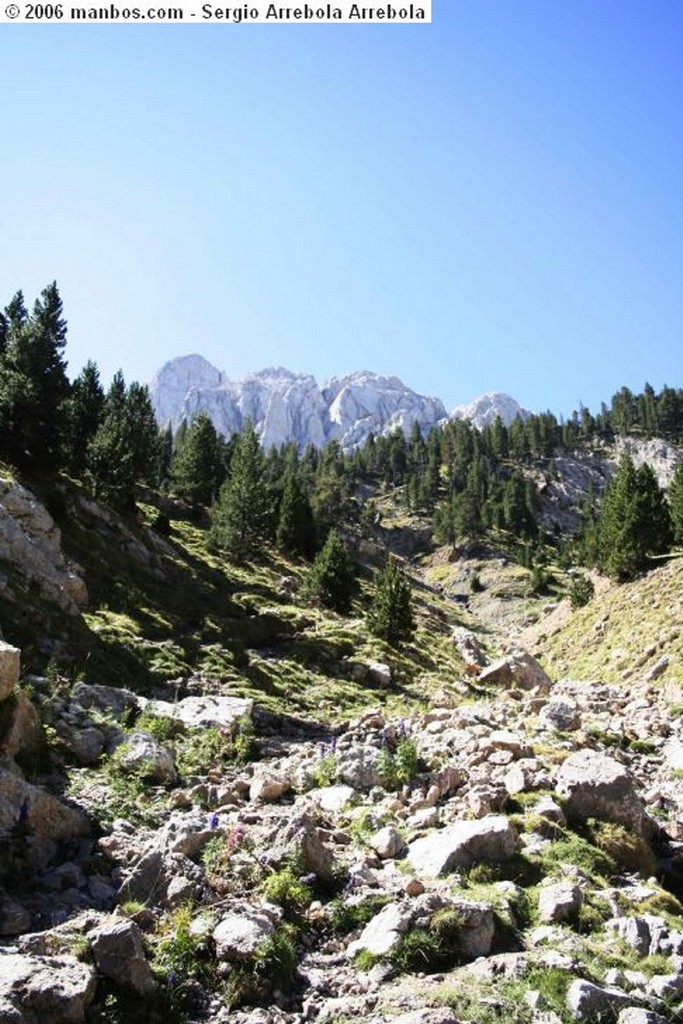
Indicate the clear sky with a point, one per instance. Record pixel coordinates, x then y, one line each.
494 201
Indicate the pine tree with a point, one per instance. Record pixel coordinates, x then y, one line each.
296 525
332 577
633 522
676 505
241 515
391 614
33 381
124 449
197 465
82 416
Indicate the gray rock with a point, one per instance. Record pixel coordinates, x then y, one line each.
31 543
187 833
666 986
21 731
558 902
38 990
298 838
9 668
113 701
597 786
561 715
210 711
548 808
388 843
477 928
117 949
144 754
634 931
518 669
358 767
14 918
86 744
151 877
333 798
268 786
383 933
636 1015
45 815
586 1001
380 673
491 839
239 935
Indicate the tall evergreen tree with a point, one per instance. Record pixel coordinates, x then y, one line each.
633 521
241 515
391 613
197 467
675 497
125 447
33 381
332 577
83 413
296 525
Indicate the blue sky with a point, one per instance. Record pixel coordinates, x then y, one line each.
494 201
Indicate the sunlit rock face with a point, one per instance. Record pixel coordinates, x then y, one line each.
285 406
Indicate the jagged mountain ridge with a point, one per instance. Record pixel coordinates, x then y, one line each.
286 406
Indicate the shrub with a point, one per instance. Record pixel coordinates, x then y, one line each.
285 889
391 614
332 577
581 590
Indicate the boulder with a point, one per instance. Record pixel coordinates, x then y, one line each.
558 902
238 935
298 838
143 754
117 949
388 843
9 668
332 798
267 786
562 715
518 669
113 701
187 833
21 731
160 877
491 839
586 1001
45 816
634 931
380 673
636 1015
384 931
596 786
358 766
210 711
14 918
57 990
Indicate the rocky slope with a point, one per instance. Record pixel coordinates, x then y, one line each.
292 407
272 817
491 856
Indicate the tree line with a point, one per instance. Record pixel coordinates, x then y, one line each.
469 481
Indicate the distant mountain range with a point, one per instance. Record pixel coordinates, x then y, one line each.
286 406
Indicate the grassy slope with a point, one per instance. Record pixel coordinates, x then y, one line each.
622 633
164 609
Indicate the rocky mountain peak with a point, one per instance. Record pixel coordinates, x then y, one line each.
483 411
286 406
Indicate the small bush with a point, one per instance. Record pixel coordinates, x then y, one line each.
400 766
581 590
285 889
